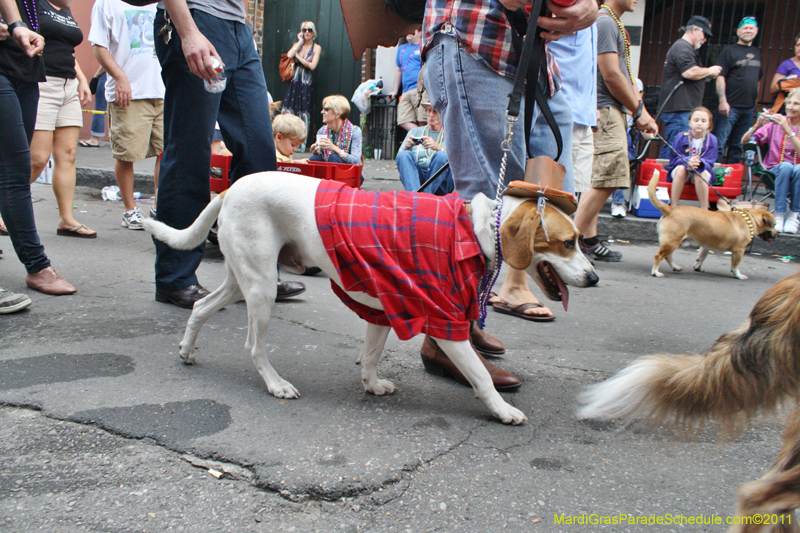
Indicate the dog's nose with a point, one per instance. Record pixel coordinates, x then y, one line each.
591 279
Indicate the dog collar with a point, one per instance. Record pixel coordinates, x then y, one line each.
749 221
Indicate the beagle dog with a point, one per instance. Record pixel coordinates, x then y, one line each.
271 217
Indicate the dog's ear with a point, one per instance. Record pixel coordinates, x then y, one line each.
517 235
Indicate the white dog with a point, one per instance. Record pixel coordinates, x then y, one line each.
269 218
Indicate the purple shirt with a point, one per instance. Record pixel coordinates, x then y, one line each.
773 135
787 68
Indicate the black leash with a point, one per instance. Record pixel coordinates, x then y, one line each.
529 47
435 175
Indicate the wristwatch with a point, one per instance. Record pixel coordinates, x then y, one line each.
639 111
11 27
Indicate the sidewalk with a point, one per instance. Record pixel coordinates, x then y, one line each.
96 170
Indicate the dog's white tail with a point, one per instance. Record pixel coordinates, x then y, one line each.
191 237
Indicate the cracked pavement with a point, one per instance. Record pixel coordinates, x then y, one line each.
103 428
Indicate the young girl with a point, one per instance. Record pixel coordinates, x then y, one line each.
783 159
698 147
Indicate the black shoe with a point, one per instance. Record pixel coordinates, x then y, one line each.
185 297
311 271
600 252
289 289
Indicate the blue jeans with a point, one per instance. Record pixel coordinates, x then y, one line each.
787 183
674 123
18 106
732 128
618 197
412 175
542 141
190 111
472 99
100 104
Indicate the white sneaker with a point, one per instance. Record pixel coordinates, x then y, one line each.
779 221
133 219
792 223
618 210
11 302
152 212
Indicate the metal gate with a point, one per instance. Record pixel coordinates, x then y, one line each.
779 23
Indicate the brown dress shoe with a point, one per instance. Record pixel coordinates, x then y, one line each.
185 297
49 281
289 289
437 362
485 343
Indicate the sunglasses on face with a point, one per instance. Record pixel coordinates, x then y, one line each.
326 108
306 29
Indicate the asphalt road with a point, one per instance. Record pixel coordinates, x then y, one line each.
103 428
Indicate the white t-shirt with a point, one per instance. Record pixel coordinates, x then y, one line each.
127 32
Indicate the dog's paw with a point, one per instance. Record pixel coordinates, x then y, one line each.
698 268
380 387
656 274
187 356
510 415
283 389
739 275
676 268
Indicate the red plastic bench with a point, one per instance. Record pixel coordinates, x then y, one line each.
347 174
730 189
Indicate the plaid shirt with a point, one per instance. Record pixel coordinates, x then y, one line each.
482 28
416 253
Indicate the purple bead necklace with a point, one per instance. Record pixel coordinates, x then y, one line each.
32 20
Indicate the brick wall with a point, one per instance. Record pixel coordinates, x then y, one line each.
255 17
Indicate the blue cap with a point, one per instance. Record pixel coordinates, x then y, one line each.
748 20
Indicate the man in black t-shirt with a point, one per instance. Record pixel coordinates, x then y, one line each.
683 64
737 89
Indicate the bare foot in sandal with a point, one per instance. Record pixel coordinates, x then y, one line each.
3 228
516 299
80 231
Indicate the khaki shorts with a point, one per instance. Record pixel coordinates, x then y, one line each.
59 105
582 156
136 131
409 110
610 168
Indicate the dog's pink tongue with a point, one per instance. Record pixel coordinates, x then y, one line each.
564 291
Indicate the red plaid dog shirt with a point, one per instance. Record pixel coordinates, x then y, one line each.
416 253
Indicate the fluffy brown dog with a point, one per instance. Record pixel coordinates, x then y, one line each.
721 231
749 370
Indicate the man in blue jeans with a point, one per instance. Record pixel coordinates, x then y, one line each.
683 64
193 33
470 67
737 89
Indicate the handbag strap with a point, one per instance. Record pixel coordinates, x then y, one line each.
531 53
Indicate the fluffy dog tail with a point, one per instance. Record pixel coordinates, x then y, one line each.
194 235
748 370
651 194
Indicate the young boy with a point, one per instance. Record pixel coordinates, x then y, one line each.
289 132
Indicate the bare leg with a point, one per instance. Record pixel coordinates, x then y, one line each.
123 172
678 181
65 145
701 188
591 203
41 148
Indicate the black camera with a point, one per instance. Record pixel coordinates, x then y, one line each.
417 140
